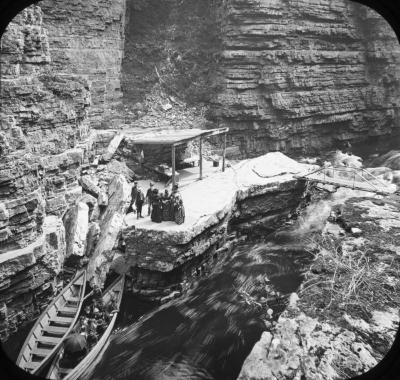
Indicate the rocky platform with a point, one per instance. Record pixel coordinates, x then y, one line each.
346 318
255 194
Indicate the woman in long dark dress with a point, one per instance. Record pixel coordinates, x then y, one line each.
166 206
179 210
156 212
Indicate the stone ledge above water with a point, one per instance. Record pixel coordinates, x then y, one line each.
209 205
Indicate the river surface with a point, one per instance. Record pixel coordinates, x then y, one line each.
207 333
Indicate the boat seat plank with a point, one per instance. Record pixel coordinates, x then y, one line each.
73 299
64 371
31 365
62 320
48 340
56 330
41 352
67 310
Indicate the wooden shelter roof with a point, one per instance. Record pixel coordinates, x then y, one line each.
173 136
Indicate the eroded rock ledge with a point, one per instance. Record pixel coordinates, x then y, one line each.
347 317
254 195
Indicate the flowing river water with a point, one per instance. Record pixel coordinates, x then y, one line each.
207 333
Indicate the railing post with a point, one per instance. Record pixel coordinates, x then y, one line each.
201 157
173 166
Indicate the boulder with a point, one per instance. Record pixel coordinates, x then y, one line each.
119 197
89 185
90 200
73 194
55 245
76 227
92 238
356 231
115 167
102 199
112 148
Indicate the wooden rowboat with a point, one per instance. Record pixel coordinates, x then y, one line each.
57 372
53 325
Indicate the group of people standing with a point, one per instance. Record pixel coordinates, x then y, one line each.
161 206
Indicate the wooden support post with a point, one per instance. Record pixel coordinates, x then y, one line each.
201 157
173 166
223 153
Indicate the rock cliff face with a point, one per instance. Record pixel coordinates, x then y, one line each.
86 38
60 68
303 75
292 75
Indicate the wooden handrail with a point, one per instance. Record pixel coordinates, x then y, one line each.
349 170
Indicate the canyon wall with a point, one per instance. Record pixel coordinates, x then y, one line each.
291 75
60 69
86 38
305 75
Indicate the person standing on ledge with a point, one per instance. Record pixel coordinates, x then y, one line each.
133 196
166 206
149 198
156 213
179 210
139 202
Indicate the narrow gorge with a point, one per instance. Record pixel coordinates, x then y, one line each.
81 80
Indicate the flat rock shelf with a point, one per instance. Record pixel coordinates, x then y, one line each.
255 193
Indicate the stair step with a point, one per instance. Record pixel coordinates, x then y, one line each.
62 320
43 352
56 330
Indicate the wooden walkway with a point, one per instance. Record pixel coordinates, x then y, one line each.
349 177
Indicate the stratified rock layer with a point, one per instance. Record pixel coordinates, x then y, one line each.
50 98
26 276
302 75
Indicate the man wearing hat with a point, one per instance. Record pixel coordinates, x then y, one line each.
150 198
139 202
